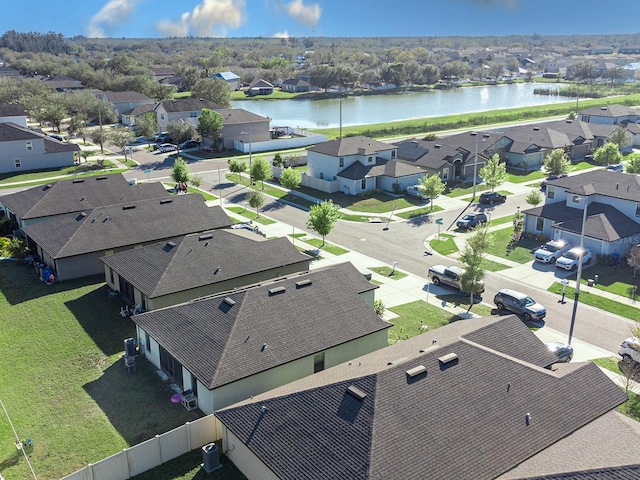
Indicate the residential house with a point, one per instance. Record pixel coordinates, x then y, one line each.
72 245
471 400
220 260
45 202
125 102
231 79
169 111
355 165
232 346
609 115
131 117
237 122
9 72
612 217
161 73
295 85
260 87
62 83
14 113
23 149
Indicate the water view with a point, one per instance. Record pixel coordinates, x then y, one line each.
361 110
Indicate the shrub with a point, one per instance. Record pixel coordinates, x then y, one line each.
379 307
396 188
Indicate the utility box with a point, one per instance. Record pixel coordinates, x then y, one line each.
210 458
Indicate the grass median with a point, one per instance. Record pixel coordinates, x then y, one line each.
598 301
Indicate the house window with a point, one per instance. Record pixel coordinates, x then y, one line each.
17 163
321 176
162 116
194 384
575 199
341 162
551 192
171 366
193 114
540 224
29 146
370 159
363 184
111 276
445 174
637 209
393 154
318 362
147 341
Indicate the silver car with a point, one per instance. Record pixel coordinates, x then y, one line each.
519 303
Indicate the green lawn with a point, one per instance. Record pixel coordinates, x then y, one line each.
416 318
494 266
327 247
478 308
598 301
444 246
251 215
63 380
466 188
630 408
30 179
522 253
354 218
501 220
617 280
207 196
419 211
386 272
520 176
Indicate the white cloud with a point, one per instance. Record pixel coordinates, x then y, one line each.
306 14
114 12
284 34
210 18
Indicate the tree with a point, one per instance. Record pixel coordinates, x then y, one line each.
608 154
432 186
180 131
494 173
147 126
77 125
121 137
237 166
556 163
54 114
290 178
620 137
472 261
633 163
261 171
210 125
180 172
323 217
256 200
99 136
533 198
633 259
215 90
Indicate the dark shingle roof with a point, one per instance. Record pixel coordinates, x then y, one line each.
359 145
189 105
463 420
12 110
124 225
221 342
233 116
10 132
602 182
611 111
161 269
129 96
68 196
627 472
434 154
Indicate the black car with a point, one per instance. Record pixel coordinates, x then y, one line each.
471 220
492 197
563 351
189 144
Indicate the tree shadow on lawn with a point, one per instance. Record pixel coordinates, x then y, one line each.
138 403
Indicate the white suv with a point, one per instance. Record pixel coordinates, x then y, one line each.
569 259
630 349
551 251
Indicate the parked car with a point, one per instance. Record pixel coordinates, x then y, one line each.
520 304
167 147
449 276
543 185
563 351
569 259
551 251
492 197
415 191
471 220
163 137
60 138
189 144
617 167
630 349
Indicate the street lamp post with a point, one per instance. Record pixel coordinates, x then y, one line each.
249 133
579 273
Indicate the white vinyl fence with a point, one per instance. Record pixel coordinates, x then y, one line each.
302 138
152 453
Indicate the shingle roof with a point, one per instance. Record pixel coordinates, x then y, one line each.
189 105
129 96
434 154
161 269
10 132
12 110
260 83
140 110
359 145
610 111
221 341
296 82
233 116
68 196
461 420
602 182
627 472
126 224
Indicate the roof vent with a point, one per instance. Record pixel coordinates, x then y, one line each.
128 207
83 214
162 202
207 236
437 145
397 360
171 244
415 371
229 301
47 186
603 108
535 129
448 358
78 180
303 283
264 347
276 291
356 392
101 178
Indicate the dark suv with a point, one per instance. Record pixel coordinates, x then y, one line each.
471 220
519 303
492 197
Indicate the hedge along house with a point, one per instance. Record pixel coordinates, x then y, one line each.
197 265
72 245
229 347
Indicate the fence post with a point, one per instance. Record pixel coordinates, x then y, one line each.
188 435
90 471
159 448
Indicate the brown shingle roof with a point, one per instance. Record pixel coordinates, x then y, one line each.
359 145
189 105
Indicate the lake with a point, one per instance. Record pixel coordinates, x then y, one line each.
367 109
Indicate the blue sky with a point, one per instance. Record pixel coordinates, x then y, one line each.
329 18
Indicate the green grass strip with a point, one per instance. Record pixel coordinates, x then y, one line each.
419 211
327 247
444 246
599 301
386 272
251 215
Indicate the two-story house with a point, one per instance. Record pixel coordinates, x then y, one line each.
169 111
126 102
23 149
14 113
612 216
